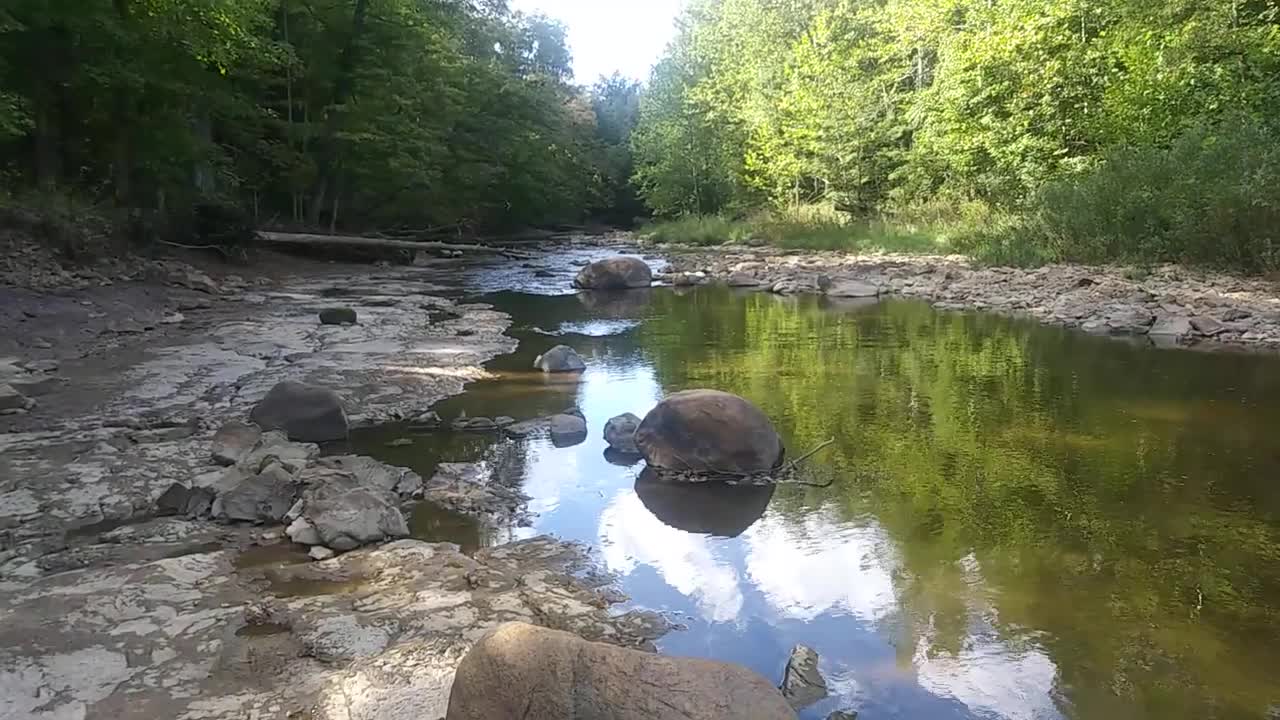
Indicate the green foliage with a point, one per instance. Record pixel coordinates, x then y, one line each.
332 112
1212 197
878 108
802 227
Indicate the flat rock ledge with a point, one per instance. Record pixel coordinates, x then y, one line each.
1170 304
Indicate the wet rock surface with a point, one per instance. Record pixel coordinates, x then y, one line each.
802 683
560 359
1108 300
109 485
620 433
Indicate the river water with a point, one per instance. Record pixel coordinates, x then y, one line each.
1025 522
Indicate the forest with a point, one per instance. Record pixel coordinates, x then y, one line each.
1019 131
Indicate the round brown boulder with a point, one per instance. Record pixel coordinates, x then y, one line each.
523 671
615 273
708 431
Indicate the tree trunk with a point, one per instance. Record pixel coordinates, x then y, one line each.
343 88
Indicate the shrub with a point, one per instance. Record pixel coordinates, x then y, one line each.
1210 198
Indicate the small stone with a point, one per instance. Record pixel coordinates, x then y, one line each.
271 536
302 532
620 433
852 289
400 442
338 316
802 683
474 424
1207 326
567 430
233 441
41 344
320 553
173 501
172 318
843 715
1235 314
743 279
428 420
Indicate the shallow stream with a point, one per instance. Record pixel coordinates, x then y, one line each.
1025 522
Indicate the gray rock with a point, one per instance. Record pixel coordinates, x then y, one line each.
743 279
1236 314
346 513
802 683
473 424
1130 319
234 441
369 472
708 431
305 412
11 399
303 532
852 289
265 497
400 442
527 428
37 385
1208 326
615 273
321 553
520 670
843 715
173 501
567 430
1175 326
620 433
275 449
560 359
338 316
428 420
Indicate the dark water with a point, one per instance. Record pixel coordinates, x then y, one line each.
1026 522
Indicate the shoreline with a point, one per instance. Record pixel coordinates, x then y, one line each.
1171 306
168 616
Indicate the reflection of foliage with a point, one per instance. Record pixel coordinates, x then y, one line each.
1117 500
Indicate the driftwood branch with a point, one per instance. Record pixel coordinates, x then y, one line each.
386 243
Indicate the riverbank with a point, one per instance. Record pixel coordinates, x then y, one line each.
1170 305
115 609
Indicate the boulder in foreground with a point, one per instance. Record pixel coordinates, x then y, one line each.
615 273
338 316
520 670
709 432
306 413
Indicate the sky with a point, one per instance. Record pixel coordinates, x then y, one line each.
605 36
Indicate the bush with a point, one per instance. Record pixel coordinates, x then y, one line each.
1211 198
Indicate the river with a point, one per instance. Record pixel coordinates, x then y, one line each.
1025 522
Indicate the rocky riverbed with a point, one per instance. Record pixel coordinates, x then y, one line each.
112 607
1170 305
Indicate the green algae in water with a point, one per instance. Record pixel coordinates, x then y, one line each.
1027 522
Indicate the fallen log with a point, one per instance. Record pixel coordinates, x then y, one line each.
368 242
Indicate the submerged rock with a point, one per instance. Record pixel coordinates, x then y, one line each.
338 316
615 273
560 359
567 430
520 670
620 433
307 413
708 431
1172 326
802 683
234 441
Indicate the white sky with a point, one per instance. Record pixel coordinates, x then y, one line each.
607 35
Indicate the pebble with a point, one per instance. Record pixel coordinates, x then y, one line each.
320 552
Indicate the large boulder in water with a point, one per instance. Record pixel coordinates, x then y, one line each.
615 273
708 431
560 359
306 413
520 670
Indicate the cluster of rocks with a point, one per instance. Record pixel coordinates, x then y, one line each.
1170 304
